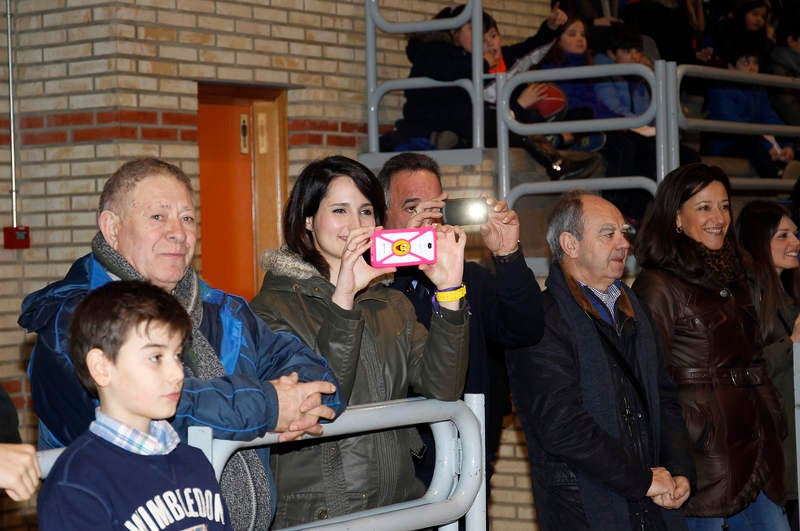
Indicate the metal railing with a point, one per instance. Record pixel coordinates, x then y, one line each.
506 121
457 488
678 120
473 12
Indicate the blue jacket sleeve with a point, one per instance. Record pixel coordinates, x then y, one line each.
276 354
236 407
62 404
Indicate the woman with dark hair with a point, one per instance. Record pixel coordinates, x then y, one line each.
694 283
766 231
320 288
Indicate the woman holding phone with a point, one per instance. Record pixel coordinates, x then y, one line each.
320 288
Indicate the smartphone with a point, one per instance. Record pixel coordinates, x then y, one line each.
465 211
403 247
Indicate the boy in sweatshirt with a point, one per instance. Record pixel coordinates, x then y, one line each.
129 471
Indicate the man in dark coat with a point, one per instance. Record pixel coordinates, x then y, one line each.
606 440
506 305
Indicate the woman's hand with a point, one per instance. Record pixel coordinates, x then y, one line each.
354 272
448 270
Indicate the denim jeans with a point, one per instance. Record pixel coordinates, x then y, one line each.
761 515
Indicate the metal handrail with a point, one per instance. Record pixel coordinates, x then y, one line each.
473 12
506 121
457 487
724 126
675 76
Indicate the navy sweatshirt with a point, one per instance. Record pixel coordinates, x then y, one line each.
98 485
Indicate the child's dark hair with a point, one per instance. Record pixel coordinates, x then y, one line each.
453 11
624 36
744 46
107 316
555 55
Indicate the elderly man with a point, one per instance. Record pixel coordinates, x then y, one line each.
506 307
244 379
606 440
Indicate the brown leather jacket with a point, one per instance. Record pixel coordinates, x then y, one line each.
729 404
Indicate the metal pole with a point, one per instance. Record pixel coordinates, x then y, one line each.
662 98
476 516
502 169
673 104
11 118
372 83
477 75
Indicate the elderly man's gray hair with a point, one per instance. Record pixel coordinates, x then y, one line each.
567 216
128 176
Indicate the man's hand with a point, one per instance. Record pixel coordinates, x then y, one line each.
501 230
300 406
427 213
662 482
679 495
19 470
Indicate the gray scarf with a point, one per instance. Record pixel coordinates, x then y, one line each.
244 482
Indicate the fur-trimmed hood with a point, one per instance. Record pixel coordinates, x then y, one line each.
287 263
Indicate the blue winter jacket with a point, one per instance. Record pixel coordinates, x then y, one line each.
740 103
623 95
240 406
580 92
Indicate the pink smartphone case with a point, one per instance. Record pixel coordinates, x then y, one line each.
399 247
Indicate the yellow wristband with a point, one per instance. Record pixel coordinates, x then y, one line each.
452 295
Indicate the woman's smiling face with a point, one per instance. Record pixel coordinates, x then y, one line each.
706 216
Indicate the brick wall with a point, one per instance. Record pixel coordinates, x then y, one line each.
100 82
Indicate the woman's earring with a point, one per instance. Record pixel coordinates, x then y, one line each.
679 230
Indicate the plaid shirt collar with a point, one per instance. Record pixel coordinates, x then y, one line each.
608 298
161 440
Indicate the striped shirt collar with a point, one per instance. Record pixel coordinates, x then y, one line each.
608 297
161 440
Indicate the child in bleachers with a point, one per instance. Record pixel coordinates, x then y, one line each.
748 103
571 50
447 56
785 61
130 469
630 96
748 20
441 118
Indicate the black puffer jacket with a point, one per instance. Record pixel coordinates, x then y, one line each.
378 352
592 436
709 334
435 56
